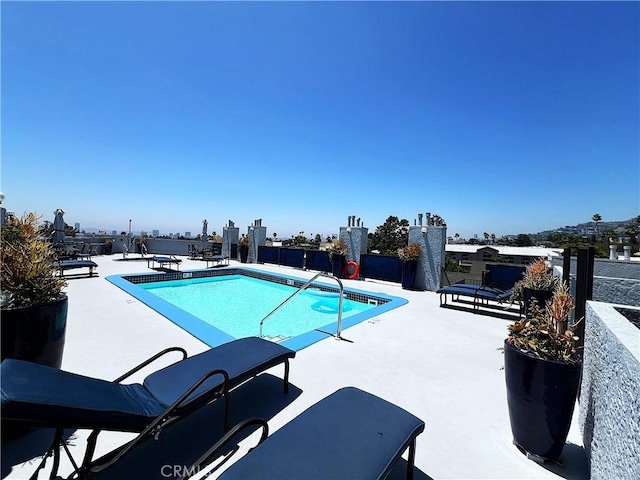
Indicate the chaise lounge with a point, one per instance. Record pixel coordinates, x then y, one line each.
67 400
217 261
349 434
162 262
497 285
64 265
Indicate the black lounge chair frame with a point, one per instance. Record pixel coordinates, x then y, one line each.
163 262
497 285
187 403
64 265
481 294
217 261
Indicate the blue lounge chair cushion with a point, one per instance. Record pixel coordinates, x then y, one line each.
241 359
349 434
48 397
477 292
465 288
42 396
215 257
166 260
69 264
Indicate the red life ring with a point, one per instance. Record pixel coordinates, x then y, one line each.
356 269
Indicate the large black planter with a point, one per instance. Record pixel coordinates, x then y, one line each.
337 265
541 395
541 297
244 253
35 333
409 269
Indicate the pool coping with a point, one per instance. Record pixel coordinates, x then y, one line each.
213 336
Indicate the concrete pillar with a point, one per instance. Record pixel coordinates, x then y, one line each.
613 254
431 263
230 235
627 252
356 236
357 240
257 237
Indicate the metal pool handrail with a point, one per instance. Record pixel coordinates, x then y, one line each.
303 287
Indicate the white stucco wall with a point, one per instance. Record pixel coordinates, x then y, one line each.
613 281
610 394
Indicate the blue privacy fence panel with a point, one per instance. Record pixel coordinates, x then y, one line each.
268 254
318 260
381 267
292 257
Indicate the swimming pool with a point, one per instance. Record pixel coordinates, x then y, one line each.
220 305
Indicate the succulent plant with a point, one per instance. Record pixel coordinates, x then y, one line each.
28 264
409 252
546 333
338 247
537 276
244 241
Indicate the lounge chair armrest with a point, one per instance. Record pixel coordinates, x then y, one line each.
204 459
155 428
195 386
151 360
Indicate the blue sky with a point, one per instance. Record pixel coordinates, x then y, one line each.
504 117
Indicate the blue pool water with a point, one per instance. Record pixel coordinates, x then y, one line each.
222 302
220 305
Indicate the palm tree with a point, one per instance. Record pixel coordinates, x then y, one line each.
457 235
493 238
597 218
632 231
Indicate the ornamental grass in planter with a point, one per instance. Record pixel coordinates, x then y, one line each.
542 373
409 255
243 248
338 257
34 307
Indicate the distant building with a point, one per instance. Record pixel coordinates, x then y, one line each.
77 226
466 254
114 232
187 234
155 233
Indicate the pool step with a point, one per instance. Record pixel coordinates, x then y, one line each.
276 338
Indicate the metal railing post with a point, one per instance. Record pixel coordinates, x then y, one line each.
566 266
584 288
303 287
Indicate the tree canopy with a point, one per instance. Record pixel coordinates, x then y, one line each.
390 236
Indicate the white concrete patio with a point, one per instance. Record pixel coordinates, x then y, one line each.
441 364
